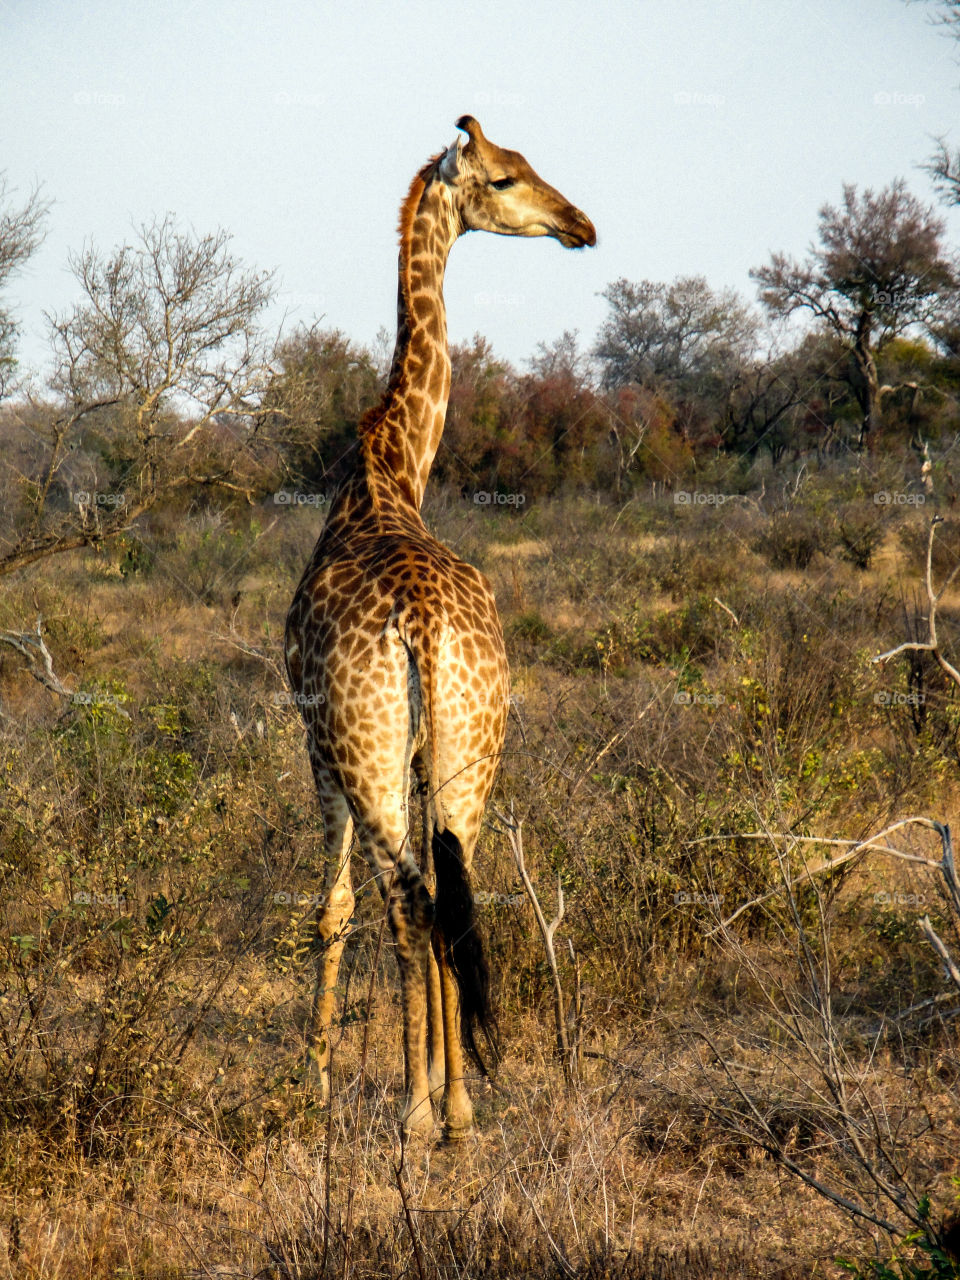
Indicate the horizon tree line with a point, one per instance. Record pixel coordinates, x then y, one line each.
165 382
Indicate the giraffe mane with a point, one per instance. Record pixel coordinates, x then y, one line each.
411 202
408 213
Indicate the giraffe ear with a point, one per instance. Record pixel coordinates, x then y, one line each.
451 166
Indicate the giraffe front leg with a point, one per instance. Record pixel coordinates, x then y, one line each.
333 928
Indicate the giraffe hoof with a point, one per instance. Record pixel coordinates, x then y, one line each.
453 1134
418 1119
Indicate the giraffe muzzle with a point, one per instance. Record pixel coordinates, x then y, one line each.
576 232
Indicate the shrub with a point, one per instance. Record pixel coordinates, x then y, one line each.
792 538
860 532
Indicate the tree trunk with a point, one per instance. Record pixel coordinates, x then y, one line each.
866 384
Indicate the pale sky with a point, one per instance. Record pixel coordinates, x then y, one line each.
698 135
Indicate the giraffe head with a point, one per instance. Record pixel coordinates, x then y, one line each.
496 190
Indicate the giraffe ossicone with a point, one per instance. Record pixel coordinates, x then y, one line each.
395 654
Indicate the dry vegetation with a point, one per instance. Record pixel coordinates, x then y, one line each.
681 673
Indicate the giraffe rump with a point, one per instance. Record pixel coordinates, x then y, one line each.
456 927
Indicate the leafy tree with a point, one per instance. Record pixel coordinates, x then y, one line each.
918 390
879 269
686 344
467 457
563 419
320 389
789 400
683 335
648 443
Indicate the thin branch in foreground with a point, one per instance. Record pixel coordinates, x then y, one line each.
946 866
769 1142
854 849
512 829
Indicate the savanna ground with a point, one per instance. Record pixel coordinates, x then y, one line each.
684 675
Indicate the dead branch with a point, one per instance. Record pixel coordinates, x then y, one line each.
854 849
726 609
512 830
946 866
932 643
937 943
32 646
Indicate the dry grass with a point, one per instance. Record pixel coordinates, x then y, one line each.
154 1121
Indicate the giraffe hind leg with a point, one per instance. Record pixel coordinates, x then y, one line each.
464 982
410 914
436 1057
436 1073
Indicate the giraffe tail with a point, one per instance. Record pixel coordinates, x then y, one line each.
421 644
456 926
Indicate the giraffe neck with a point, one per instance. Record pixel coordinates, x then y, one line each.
400 437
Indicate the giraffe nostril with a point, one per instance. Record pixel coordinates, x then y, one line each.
587 229
576 231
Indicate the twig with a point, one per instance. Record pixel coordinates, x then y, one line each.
726 609
886 1022
251 651
400 1175
767 1140
854 848
560 1256
547 932
937 943
598 756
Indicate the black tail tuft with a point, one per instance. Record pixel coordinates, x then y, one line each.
457 928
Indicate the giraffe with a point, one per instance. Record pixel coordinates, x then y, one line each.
395 655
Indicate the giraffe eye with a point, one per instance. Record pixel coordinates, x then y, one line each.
502 184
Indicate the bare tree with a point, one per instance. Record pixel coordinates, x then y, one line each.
944 165
944 169
158 369
21 231
879 268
